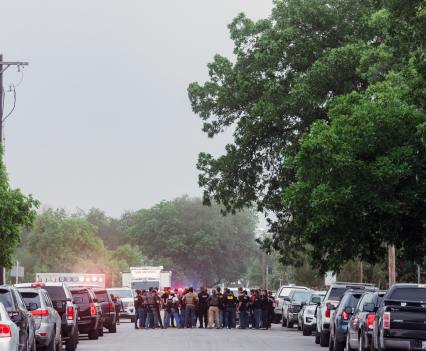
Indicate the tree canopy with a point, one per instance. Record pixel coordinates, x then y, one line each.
16 211
199 244
314 95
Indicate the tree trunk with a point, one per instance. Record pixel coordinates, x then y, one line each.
391 265
360 271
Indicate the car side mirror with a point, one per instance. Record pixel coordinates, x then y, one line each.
369 307
287 299
331 307
32 306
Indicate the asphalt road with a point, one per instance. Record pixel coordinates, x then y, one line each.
129 339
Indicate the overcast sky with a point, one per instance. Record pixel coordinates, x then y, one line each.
102 117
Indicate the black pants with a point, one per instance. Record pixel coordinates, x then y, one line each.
202 315
265 319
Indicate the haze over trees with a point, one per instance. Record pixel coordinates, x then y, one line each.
327 103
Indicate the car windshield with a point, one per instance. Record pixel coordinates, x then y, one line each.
301 296
31 297
122 293
336 294
102 296
56 293
409 294
6 299
285 292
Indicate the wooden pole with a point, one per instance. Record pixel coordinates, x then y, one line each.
391 265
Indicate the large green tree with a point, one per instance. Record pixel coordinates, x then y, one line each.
289 70
16 210
196 242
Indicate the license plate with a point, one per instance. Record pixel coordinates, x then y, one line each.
423 345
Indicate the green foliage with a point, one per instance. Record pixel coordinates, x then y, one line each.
196 242
361 181
16 211
326 100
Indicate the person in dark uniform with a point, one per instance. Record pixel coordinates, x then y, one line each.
256 309
157 305
203 307
264 305
242 308
271 315
229 306
138 308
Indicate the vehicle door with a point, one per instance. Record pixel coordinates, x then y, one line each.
358 319
22 318
54 318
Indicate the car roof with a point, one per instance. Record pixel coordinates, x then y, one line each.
39 284
349 284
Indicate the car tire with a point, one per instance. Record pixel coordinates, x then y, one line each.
324 339
113 328
93 334
330 343
71 343
307 332
317 338
283 321
101 332
52 345
289 324
348 345
132 319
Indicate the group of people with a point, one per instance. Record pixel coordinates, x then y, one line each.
214 309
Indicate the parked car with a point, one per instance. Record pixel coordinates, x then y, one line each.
401 319
108 309
127 301
362 322
18 313
333 297
62 301
89 314
307 321
47 320
340 318
9 332
279 301
296 299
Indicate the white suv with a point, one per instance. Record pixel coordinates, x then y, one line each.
333 297
282 293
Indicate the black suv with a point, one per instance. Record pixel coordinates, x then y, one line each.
62 302
295 300
109 315
18 313
89 313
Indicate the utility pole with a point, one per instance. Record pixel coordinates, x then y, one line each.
4 65
391 265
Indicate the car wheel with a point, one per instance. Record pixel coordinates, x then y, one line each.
283 321
324 339
71 343
338 346
348 343
101 332
317 338
93 334
306 331
132 319
289 324
52 345
113 328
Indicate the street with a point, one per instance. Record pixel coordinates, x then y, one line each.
129 339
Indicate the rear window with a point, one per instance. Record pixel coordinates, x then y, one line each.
83 295
56 293
301 296
409 294
122 293
352 300
6 300
336 294
102 296
285 292
31 297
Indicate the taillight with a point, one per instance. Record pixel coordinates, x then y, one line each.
92 310
40 313
370 320
386 320
327 313
111 307
70 313
277 302
345 316
5 331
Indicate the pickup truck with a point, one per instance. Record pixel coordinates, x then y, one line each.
401 320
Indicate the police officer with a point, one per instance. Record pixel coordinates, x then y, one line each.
256 308
264 305
138 309
229 304
191 300
203 307
242 308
